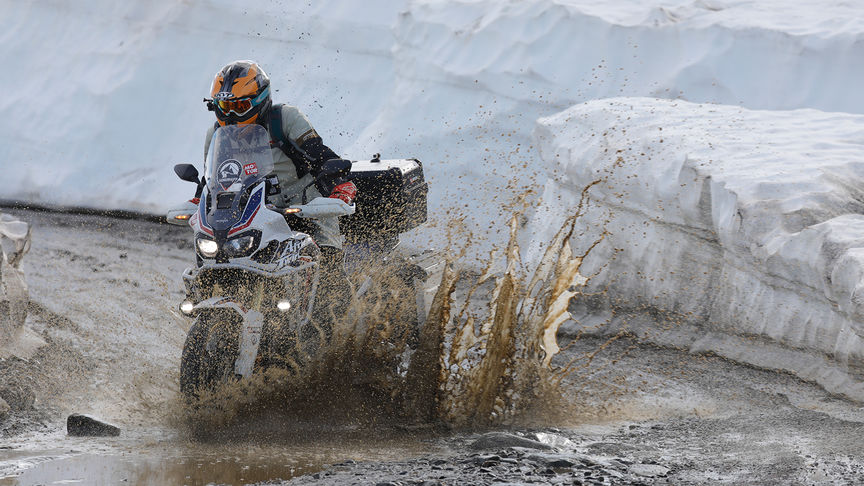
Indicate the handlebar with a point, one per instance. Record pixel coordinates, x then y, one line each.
317 208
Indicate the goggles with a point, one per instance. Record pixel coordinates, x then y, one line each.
238 107
241 106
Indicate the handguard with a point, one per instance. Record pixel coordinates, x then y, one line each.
181 213
321 207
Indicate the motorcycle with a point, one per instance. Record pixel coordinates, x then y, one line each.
254 290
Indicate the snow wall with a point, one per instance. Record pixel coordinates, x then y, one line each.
735 231
104 97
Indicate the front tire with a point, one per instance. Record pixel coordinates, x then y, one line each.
208 356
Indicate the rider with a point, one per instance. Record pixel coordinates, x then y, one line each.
240 95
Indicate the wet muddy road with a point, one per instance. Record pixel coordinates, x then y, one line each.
104 294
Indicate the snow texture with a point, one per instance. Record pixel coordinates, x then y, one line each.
742 223
751 197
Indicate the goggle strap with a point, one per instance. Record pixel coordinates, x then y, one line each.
261 96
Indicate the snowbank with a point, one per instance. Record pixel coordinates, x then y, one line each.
743 228
106 95
103 97
473 76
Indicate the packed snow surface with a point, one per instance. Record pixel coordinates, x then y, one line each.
742 216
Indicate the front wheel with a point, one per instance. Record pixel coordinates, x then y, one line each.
208 357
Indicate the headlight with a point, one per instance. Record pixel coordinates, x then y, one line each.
240 246
208 248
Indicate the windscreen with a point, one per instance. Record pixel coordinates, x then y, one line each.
239 155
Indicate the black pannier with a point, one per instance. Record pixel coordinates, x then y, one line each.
391 199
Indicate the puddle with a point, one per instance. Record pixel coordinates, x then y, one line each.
135 468
137 460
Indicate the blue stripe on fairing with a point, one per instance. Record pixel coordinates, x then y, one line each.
202 216
251 206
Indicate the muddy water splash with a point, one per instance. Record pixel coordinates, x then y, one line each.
485 348
480 356
494 367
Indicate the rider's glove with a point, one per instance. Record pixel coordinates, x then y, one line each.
346 191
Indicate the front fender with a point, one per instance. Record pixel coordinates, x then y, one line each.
219 303
252 324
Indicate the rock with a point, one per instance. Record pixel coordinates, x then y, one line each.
560 463
486 461
502 440
4 409
556 460
79 425
648 470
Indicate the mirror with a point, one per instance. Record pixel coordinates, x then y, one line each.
334 168
187 172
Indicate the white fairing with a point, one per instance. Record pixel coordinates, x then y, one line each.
272 225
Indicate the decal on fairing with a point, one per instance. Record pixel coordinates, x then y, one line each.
289 254
250 169
251 210
202 216
228 173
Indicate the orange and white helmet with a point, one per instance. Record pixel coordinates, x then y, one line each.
240 94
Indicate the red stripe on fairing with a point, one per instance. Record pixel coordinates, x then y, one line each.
251 218
202 219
